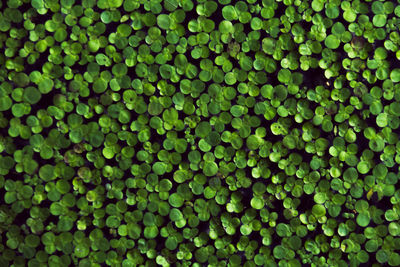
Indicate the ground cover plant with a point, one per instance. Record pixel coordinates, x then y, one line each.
199 133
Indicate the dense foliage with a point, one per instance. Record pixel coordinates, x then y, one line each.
199 133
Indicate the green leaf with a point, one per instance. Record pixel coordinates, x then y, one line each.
203 129
332 41
45 86
382 120
318 210
377 7
253 142
37 4
382 256
5 103
379 20
175 200
229 13
226 27
163 21
279 252
257 203
349 15
115 3
46 172
350 175
317 5
159 168
210 168
171 243
395 75
284 76
150 232
363 219
100 86
81 250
